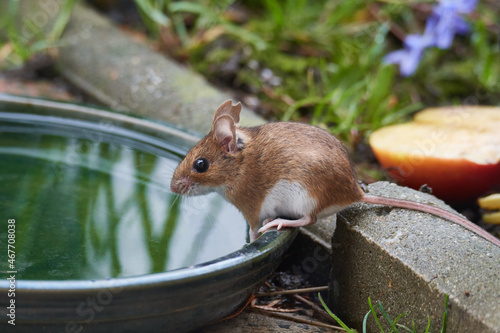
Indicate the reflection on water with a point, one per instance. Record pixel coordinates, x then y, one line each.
90 209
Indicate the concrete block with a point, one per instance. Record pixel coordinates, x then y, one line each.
409 260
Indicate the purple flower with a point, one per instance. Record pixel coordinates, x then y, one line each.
410 56
440 29
449 20
462 6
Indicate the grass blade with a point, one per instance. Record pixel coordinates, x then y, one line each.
445 315
393 326
386 316
372 310
365 320
337 319
428 324
153 13
407 329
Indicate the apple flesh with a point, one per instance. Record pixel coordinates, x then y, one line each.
480 118
458 162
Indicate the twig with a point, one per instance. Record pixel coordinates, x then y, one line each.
300 320
291 291
270 307
251 299
271 94
315 307
294 293
394 28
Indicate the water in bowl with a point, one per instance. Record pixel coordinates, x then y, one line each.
89 205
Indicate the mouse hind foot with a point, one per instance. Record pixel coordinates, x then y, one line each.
281 223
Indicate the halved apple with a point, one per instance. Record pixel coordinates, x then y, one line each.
458 162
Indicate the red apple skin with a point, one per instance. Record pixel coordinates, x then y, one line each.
453 180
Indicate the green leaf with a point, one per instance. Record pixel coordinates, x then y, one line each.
62 19
274 8
343 10
245 35
380 90
187 7
153 13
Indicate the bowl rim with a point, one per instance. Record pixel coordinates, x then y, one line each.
257 250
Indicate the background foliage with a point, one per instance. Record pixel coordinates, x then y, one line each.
319 61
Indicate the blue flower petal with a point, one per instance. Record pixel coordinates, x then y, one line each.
440 29
461 26
406 59
419 42
395 57
445 28
466 6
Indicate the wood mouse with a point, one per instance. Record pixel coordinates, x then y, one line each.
283 174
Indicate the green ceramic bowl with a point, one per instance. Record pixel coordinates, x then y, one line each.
99 243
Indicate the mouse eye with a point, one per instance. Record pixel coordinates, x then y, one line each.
201 165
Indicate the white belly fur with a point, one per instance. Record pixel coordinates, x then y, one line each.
291 200
287 199
334 209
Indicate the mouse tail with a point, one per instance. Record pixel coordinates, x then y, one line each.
426 208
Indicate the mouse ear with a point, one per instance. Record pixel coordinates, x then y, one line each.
228 109
225 133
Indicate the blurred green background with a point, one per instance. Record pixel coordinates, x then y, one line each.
315 61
